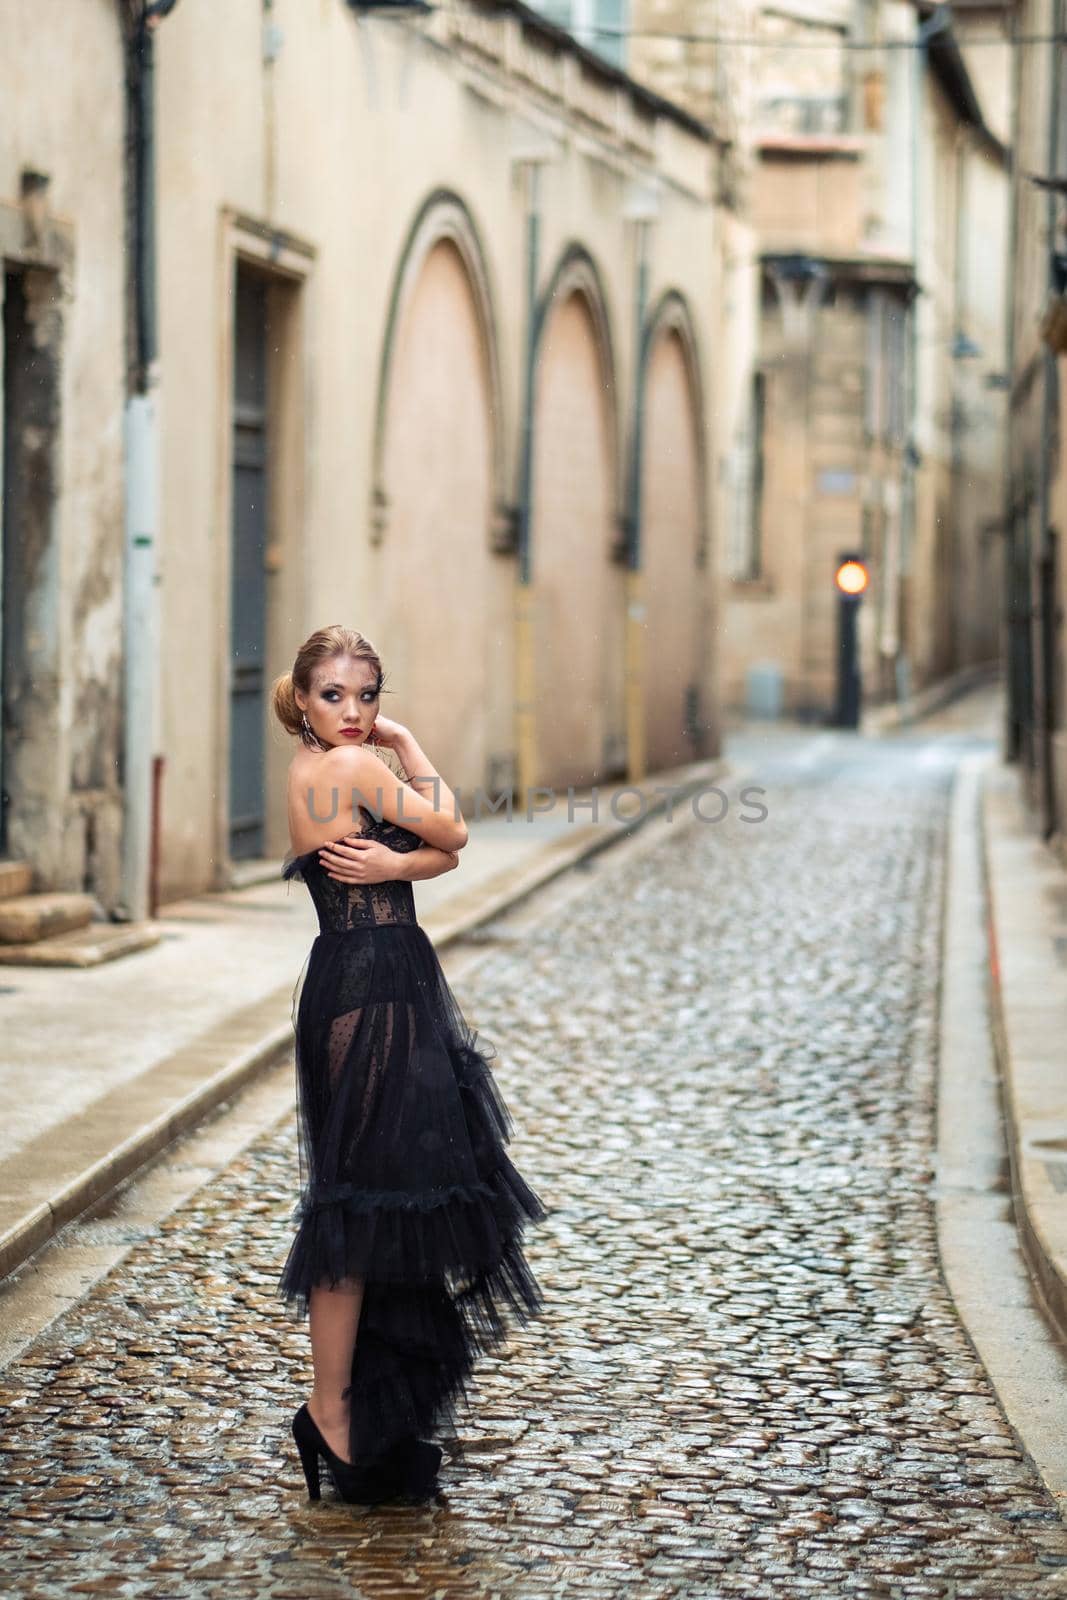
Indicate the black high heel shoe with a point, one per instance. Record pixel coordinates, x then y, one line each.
409 1468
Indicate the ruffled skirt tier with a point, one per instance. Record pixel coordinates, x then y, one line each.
406 1182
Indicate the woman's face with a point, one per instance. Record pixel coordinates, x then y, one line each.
343 702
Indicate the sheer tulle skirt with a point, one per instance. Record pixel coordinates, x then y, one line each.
406 1183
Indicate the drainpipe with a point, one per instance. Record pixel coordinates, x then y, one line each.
532 174
531 149
641 208
1011 730
1049 597
524 619
141 771
939 20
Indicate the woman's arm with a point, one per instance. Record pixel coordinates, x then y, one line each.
424 778
425 862
371 784
361 860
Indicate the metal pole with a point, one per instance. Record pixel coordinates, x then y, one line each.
1011 731
636 610
141 567
526 733
849 680
1047 596
533 236
847 708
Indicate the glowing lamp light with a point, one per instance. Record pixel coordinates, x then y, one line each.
851 577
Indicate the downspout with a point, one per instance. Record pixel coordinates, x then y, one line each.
635 599
524 618
141 773
911 450
1011 731
954 655
938 21
1048 388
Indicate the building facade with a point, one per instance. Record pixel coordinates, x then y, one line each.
62 229
1035 594
436 358
875 190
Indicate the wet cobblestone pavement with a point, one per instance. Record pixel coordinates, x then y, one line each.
750 1380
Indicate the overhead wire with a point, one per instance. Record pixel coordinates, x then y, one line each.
811 44
739 41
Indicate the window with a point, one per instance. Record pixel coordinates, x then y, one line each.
585 18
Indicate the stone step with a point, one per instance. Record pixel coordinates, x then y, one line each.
16 877
25 918
83 947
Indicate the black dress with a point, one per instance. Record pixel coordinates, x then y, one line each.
405 1181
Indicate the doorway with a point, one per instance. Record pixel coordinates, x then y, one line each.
248 587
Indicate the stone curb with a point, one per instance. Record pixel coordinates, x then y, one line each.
251 1041
1027 934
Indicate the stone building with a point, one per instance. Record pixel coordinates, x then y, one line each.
351 225
62 241
876 190
1036 578
437 312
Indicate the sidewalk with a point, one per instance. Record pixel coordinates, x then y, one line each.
1028 998
107 1065
1026 989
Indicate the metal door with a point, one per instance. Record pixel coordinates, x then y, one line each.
247 583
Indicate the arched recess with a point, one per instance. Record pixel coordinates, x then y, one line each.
443 215
443 599
671 537
579 584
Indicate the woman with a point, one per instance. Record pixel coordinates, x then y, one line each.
410 1222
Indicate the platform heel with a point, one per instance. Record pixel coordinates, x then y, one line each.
307 1442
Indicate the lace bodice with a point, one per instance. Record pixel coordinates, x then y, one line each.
341 906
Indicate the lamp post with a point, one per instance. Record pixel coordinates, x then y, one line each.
851 580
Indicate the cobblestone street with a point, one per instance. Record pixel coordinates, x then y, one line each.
750 1379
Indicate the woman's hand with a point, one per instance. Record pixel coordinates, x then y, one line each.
358 860
387 733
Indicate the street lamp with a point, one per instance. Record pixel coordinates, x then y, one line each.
851 580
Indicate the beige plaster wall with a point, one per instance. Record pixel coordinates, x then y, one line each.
675 590
336 146
577 591
62 92
433 571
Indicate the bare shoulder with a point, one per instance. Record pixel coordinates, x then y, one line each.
356 764
362 774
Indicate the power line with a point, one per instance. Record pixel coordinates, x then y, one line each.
734 41
738 41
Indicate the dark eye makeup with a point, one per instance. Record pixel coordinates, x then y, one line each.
368 694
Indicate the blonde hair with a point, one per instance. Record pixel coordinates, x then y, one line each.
322 645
